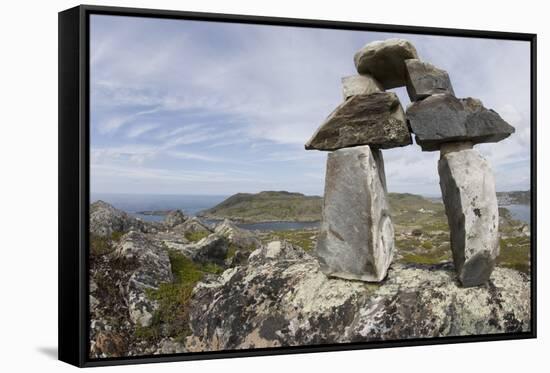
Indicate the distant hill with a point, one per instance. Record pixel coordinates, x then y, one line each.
287 206
522 197
267 206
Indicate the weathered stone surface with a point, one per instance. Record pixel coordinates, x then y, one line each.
105 219
360 85
385 61
443 118
236 236
376 120
174 218
288 301
153 268
356 237
211 249
468 189
424 79
192 225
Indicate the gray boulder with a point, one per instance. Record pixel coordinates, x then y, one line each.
290 302
468 189
424 79
385 61
174 218
153 268
211 249
360 85
356 237
376 120
239 237
105 219
443 118
192 225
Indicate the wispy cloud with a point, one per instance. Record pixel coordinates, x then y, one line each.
194 97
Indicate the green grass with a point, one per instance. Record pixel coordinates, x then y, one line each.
515 253
173 298
300 238
195 236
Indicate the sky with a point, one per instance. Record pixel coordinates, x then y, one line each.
190 107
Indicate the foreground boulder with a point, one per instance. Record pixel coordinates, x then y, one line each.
424 79
152 268
241 238
106 219
385 61
468 189
287 301
376 119
443 118
356 237
174 218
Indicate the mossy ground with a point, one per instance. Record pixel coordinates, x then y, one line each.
303 238
195 236
171 317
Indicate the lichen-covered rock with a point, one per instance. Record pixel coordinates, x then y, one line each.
239 237
468 190
105 219
192 225
360 85
424 79
443 118
174 218
279 301
385 61
153 268
376 119
356 236
211 249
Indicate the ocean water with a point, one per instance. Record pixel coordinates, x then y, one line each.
520 212
133 203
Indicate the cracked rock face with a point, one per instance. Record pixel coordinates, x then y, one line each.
424 79
356 237
376 119
443 118
468 189
152 268
385 61
280 300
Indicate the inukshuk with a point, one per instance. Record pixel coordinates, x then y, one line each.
440 121
356 238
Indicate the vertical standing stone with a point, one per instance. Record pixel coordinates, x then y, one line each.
468 189
356 239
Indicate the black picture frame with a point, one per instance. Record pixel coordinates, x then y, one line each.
74 193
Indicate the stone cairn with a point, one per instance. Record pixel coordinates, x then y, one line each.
356 238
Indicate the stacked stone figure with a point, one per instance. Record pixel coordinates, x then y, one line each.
440 121
356 238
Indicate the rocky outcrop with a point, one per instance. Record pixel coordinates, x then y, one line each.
385 61
424 79
241 238
360 85
211 249
105 219
192 225
376 119
468 189
283 299
356 237
443 118
174 218
152 269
